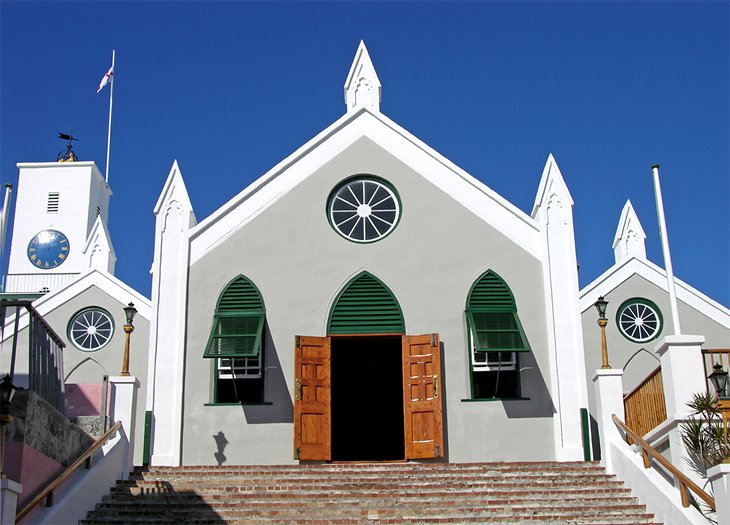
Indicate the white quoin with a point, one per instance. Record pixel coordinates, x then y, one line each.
553 209
174 218
362 86
630 239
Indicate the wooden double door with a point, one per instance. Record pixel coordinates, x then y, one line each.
368 397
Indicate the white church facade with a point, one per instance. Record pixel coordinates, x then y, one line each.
365 299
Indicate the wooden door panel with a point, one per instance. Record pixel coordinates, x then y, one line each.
421 396
312 408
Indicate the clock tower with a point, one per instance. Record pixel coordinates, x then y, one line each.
59 230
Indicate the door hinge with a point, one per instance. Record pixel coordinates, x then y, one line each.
296 453
297 389
438 450
297 339
434 337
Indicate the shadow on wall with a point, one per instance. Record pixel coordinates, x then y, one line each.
533 385
153 502
220 443
278 406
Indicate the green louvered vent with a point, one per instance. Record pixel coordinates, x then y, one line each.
366 306
241 294
490 291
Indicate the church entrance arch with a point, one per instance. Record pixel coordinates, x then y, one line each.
367 391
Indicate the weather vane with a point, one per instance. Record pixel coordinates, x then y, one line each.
68 155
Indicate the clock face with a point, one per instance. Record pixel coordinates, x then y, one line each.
48 249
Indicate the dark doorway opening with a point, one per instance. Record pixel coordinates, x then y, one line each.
367 399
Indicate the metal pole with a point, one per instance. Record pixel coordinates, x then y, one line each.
665 249
109 134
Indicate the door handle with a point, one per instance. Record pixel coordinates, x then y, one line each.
297 389
435 386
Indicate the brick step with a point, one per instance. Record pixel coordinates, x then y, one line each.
363 480
486 498
333 512
542 492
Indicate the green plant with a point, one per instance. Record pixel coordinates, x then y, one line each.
703 434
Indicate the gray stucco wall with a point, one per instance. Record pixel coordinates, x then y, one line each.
90 367
621 349
299 263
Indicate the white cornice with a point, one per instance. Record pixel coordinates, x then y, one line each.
454 181
620 273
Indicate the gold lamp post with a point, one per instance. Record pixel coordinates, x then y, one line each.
7 391
602 322
129 312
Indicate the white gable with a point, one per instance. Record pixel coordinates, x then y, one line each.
619 273
455 182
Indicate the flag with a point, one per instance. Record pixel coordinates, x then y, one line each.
106 79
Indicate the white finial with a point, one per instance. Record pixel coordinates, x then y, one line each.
362 87
630 238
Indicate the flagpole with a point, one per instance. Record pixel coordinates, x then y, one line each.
665 250
109 134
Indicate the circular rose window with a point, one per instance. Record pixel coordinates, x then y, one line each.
639 320
363 209
91 329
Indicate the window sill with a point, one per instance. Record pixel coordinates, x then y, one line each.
491 399
238 404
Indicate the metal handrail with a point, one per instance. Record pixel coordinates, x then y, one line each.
684 482
47 493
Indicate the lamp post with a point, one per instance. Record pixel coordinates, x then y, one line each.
602 322
129 312
7 391
719 378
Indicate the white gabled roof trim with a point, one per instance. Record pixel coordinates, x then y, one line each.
106 282
262 193
620 273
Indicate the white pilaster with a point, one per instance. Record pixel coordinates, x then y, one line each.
124 408
174 218
554 211
630 239
683 375
608 385
719 476
362 86
98 252
9 492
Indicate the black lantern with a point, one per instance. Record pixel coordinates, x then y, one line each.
130 311
719 380
7 391
601 307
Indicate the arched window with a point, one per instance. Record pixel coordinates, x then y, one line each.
496 339
236 343
366 306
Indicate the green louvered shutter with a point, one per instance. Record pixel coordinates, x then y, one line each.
366 306
491 314
238 323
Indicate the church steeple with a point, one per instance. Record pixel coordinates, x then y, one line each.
362 87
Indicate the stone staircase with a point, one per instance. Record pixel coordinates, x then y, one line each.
373 493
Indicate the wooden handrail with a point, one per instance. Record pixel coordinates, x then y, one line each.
47 493
684 482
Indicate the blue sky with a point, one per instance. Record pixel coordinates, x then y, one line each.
231 88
